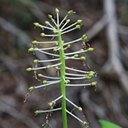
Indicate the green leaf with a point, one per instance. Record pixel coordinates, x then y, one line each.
108 124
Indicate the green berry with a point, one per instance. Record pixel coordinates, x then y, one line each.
40 75
55 31
34 42
36 24
93 84
68 20
42 34
76 55
91 74
78 26
45 81
67 81
36 61
80 109
36 112
29 69
84 37
46 22
90 49
30 89
56 10
82 58
50 16
50 104
30 49
70 12
79 21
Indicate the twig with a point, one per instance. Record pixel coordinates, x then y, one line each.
112 98
89 106
14 69
123 29
97 27
16 114
11 28
5 124
113 63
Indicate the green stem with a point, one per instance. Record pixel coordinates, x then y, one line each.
62 79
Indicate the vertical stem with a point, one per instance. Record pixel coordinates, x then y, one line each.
62 79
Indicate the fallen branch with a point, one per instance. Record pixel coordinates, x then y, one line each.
11 28
97 27
113 66
17 115
123 29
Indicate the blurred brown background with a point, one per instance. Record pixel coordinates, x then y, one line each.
106 24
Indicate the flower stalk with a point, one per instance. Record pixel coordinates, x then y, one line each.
62 78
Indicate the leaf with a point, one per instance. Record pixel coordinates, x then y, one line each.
108 124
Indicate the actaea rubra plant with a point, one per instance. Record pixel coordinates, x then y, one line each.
59 53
